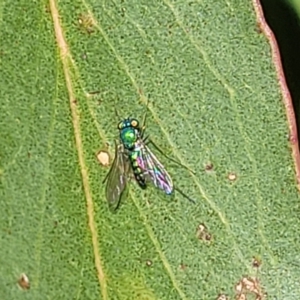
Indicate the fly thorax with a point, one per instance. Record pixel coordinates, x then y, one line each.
128 137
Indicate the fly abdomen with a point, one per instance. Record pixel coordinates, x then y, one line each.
137 171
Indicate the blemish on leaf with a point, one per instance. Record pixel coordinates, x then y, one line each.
259 28
209 167
84 56
47 9
232 176
86 23
222 297
92 93
103 158
23 282
7 230
95 96
249 286
123 11
148 53
256 262
182 267
149 263
293 138
202 233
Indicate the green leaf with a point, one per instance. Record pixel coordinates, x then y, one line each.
214 105
295 4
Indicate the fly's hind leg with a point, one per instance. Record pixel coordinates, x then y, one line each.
148 141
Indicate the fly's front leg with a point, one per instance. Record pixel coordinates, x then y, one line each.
143 128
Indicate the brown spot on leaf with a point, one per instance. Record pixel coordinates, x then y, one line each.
222 297
86 22
209 167
256 262
259 27
232 176
103 158
202 233
23 282
249 286
149 263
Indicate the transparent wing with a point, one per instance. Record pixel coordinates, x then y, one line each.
117 177
154 171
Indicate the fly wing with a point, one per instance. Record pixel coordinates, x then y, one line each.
117 177
154 171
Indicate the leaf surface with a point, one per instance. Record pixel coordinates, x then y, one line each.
214 105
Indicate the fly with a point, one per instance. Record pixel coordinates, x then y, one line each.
132 154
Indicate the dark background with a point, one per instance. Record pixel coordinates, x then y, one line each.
285 24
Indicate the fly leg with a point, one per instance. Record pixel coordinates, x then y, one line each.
148 141
143 128
184 195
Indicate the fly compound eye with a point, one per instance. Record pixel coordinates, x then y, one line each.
120 125
134 123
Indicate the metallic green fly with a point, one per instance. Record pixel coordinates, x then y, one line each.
132 154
